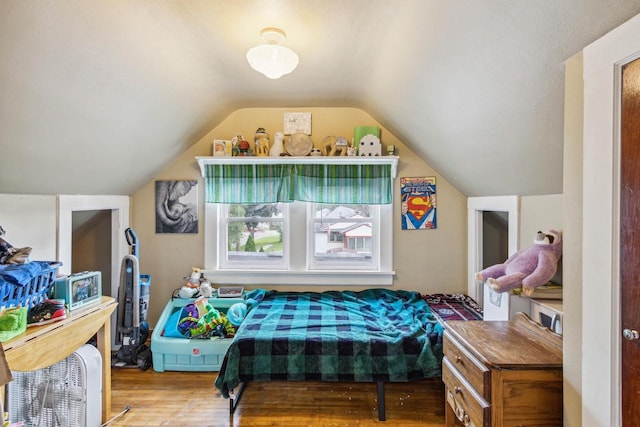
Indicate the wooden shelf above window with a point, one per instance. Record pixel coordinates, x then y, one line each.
291 160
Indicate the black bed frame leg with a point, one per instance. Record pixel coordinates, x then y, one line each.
382 416
233 401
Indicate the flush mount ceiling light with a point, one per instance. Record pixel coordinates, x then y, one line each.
270 58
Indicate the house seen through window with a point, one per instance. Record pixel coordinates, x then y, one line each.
257 235
299 221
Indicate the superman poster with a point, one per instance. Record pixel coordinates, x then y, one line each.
418 203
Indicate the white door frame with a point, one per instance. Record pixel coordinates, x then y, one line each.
119 207
603 59
475 207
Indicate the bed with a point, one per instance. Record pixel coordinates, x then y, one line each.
376 335
453 307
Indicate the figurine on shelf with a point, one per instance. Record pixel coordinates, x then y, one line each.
335 146
235 144
278 145
244 148
261 142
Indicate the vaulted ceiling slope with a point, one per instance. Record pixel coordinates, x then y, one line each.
98 96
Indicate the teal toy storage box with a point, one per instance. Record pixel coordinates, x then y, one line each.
184 354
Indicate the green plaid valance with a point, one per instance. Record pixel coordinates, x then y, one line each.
246 183
319 183
366 183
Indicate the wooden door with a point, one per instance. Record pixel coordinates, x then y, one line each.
630 241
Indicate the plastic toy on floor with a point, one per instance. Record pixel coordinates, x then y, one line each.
201 320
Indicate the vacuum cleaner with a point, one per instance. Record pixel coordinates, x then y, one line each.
132 329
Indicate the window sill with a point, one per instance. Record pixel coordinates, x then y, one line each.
316 277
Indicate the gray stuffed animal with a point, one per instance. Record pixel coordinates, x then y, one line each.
11 255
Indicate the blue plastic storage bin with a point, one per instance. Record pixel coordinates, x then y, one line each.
32 291
184 354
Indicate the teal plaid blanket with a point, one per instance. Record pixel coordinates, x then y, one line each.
368 336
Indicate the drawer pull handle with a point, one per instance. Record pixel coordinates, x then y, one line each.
458 359
466 420
458 390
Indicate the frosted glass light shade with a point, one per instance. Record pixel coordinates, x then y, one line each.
272 59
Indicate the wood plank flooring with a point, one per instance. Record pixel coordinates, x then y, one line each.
190 399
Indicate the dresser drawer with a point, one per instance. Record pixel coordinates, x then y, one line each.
478 375
471 409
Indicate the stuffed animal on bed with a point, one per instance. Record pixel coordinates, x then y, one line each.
529 268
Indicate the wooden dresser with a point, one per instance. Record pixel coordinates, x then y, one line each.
502 373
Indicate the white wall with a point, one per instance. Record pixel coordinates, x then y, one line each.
572 247
539 213
30 221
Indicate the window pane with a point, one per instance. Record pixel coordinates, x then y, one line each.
324 211
254 233
343 234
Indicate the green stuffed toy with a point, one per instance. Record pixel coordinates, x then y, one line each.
204 321
13 322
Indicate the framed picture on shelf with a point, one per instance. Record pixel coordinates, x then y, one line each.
221 147
297 123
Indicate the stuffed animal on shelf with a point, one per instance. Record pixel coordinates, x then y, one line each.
529 268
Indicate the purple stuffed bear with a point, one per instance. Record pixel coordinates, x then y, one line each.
529 268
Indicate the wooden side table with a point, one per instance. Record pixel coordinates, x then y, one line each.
42 346
502 373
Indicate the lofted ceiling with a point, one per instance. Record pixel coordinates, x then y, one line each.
98 96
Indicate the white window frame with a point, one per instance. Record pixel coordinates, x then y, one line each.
298 271
373 264
225 264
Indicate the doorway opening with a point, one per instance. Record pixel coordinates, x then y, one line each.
495 237
492 235
91 244
102 209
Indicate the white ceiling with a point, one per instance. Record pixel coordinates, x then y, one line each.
96 97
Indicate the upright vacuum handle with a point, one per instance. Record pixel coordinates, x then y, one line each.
132 240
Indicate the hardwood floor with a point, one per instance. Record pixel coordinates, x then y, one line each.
190 399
